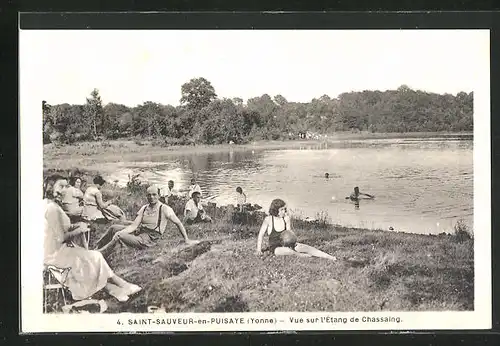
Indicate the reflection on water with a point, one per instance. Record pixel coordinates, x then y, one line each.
421 186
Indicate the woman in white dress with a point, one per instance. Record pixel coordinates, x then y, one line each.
94 208
89 272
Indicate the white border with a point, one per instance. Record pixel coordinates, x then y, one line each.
33 320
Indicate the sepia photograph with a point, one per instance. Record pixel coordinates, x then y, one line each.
255 179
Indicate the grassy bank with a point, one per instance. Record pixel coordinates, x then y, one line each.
376 270
105 156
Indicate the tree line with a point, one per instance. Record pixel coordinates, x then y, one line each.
202 117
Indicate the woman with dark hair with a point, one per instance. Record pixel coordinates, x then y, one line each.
88 271
94 208
282 240
72 199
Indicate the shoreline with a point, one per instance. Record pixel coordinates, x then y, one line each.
106 155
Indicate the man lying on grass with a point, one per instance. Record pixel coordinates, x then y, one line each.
147 227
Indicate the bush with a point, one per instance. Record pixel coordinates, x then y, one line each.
462 232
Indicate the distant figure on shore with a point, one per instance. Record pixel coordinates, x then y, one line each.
94 208
72 199
146 229
355 196
194 212
194 188
170 191
282 240
241 198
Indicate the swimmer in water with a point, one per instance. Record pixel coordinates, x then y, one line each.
327 175
356 194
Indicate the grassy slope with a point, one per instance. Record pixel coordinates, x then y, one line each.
402 272
376 270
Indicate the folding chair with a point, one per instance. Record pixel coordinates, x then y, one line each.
56 281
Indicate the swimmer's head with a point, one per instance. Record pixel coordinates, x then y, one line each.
239 189
327 175
356 190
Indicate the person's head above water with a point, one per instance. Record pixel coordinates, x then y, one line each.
356 190
170 184
239 190
193 181
327 175
278 206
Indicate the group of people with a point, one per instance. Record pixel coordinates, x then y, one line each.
88 270
70 213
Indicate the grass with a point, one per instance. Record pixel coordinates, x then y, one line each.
375 271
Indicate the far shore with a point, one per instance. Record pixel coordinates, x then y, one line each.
107 154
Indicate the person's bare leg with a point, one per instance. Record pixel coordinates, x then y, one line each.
126 287
118 281
286 251
312 251
105 249
110 233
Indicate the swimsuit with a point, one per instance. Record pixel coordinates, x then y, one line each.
275 238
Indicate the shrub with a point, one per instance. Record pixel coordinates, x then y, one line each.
462 232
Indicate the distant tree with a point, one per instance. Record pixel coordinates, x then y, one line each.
94 113
280 100
114 114
203 118
237 101
197 93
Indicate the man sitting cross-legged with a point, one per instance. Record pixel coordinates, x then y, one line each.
147 227
194 212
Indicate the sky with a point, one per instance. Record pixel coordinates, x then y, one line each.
132 67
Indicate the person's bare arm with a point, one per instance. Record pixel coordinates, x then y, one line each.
100 203
172 217
74 230
186 210
260 237
133 226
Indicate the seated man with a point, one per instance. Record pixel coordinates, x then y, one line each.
147 227
166 194
193 212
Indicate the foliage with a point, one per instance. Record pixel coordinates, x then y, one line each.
204 118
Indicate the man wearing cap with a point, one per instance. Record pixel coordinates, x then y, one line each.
147 227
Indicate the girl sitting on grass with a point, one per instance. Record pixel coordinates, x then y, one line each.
282 240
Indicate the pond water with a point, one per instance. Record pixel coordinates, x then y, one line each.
421 185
